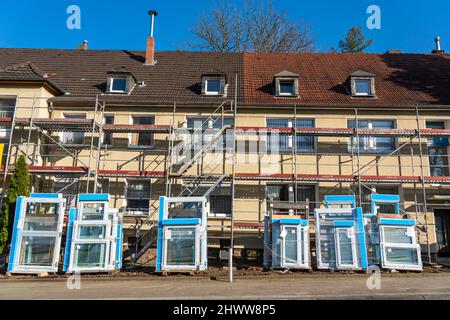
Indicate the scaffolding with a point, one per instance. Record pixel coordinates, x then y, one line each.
40 136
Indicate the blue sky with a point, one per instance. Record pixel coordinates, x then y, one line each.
410 26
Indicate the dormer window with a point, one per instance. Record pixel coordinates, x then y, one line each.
286 84
362 84
120 80
214 84
213 87
118 85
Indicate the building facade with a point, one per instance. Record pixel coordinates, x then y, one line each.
245 129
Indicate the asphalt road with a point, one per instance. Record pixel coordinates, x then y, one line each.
393 286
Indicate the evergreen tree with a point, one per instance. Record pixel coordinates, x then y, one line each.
354 41
19 186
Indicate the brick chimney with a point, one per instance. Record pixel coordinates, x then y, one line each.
150 50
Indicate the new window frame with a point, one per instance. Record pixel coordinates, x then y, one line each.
197 247
21 233
111 84
222 85
351 235
302 247
414 246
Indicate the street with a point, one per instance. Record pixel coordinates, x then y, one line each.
307 286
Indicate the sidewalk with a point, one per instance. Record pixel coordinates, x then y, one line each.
395 286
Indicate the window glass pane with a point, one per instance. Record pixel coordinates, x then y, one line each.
138 196
93 211
438 161
213 85
397 235
7 108
307 192
182 210
402 256
90 255
291 245
327 244
73 137
181 246
373 144
119 84
220 204
41 217
108 136
277 192
143 138
345 247
93 232
37 251
287 87
362 87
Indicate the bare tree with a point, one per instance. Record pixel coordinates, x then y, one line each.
254 27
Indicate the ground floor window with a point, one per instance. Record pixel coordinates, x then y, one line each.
291 193
220 204
437 152
137 197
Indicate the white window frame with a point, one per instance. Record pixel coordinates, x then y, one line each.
287 94
197 249
363 94
213 93
111 84
302 247
110 250
351 234
45 234
413 246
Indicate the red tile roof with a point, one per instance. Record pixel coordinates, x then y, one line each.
401 79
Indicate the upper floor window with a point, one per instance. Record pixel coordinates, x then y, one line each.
73 137
118 85
142 139
278 141
370 144
362 84
214 83
108 136
286 84
204 129
437 151
120 80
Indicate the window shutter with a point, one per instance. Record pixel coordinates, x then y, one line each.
203 86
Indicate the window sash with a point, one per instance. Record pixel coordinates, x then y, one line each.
281 141
372 144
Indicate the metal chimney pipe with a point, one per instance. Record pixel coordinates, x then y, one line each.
153 14
438 43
